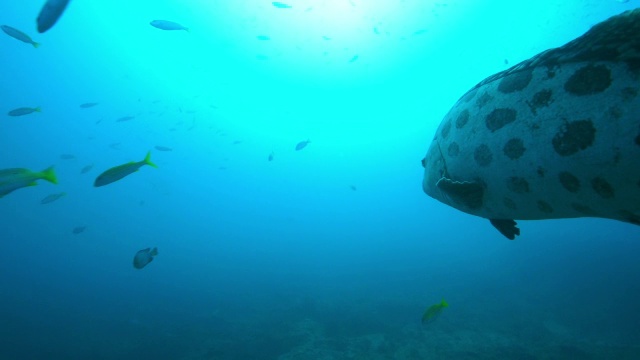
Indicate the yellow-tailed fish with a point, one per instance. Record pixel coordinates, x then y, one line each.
433 312
23 111
118 172
18 35
16 178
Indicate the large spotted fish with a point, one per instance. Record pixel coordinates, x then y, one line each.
556 136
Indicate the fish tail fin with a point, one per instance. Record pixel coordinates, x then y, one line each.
35 44
444 303
37 109
147 160
49 175
154 251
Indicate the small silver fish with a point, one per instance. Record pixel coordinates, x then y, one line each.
78 229
125 118
163 148
271 156
50 13
88 105
280 5
144 257
23 111
167 25
86 169
51 198
67 156
302 144
19 35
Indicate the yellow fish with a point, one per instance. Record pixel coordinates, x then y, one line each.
15 178
433 312
118 172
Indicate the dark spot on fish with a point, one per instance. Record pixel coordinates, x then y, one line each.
453 149
446 127
514 149
633 64
583 209
589 80
509 203
541 171
630 217
573 137
483 155
498 118
516 81
540 99
602 188
551 71
629 93
617 156
518 185
615 113
569 182
462 119
469 95
484 100
637 140
544 207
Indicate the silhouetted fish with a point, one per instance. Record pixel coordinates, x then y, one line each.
78 229
144 257
280 5
302 144
51 198
50 13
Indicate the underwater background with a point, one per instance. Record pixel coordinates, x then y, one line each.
267 252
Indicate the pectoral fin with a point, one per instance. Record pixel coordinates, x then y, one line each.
467 193
507 227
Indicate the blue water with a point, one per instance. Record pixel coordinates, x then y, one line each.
330 252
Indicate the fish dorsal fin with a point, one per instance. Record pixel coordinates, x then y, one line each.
467 193
616 39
